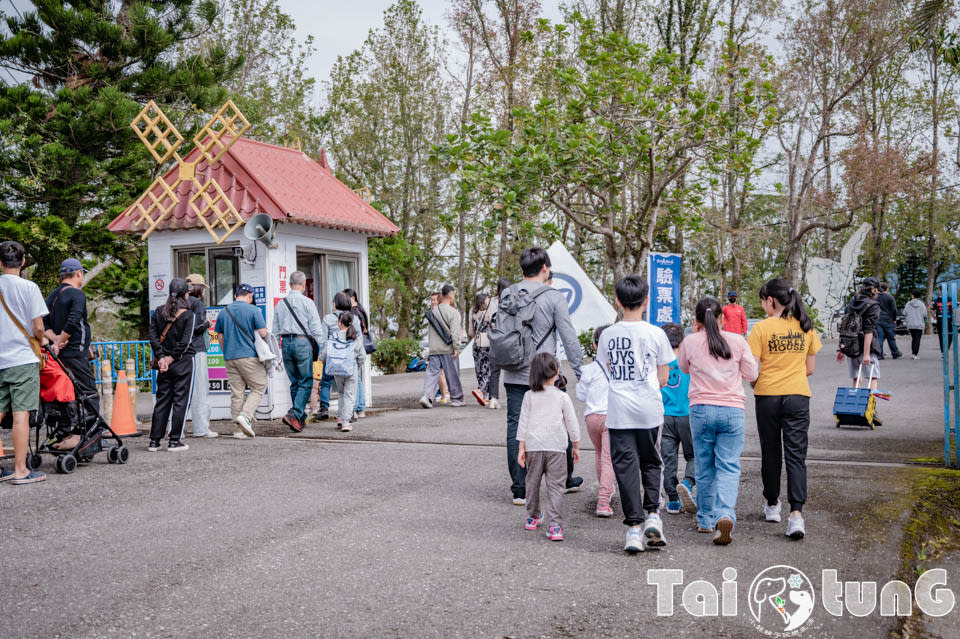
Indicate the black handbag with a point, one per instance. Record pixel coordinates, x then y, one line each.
369 341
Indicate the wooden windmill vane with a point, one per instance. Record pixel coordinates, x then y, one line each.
210 204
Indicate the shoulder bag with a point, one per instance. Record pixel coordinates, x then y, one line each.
163 335
483 324
264 353
34 342
440 327
314 347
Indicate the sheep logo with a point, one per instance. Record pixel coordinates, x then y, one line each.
781 600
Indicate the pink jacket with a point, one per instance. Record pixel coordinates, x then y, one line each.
713 381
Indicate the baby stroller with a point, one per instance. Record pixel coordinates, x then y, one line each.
63 413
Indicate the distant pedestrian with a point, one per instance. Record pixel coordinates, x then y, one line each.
493 384
442 396
887 325
547 422
235 328
360 410
916 317
676 432
864 365
444 334
786 347
939 311
199 398
478 328
734 316
21 340
343 357
297 322
329 328
592 390
637 355
717 362
171 340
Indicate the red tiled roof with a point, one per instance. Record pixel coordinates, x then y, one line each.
286 184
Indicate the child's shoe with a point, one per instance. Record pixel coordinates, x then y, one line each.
724 530
532 523
771 513
653 531
674 507
554 533
685 492
634 540
604 509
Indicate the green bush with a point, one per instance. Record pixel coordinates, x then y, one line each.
393 355
586 343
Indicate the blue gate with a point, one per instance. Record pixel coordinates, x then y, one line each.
117 353
951 378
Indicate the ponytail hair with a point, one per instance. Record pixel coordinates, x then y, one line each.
346 320
708 313
789 298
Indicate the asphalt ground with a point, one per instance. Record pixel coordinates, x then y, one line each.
404 528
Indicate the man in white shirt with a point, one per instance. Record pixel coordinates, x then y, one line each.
21 322
637 356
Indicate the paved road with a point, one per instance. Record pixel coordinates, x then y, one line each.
312 536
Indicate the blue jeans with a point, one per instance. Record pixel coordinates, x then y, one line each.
326 382
888 333
298 362
717 443
361 404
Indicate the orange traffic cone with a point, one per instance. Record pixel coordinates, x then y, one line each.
1 449
122 421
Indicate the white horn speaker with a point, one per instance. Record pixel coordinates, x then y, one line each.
261 228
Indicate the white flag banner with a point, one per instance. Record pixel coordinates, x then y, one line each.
588 307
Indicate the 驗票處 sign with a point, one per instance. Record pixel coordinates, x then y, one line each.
664 276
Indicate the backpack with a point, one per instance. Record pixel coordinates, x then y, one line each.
341 357
511 337
851 334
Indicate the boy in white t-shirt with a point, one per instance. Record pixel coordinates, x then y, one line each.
637 356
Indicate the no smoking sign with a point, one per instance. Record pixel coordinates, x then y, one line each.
158 284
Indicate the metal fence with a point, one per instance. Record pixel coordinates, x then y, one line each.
117 353
949 345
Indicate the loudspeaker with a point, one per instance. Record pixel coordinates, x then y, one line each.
261 228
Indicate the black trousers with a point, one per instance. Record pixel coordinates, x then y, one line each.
174 388
518 474
635 453
915 335
782 423
949 335
85 384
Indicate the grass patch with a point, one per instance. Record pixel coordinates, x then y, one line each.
927 460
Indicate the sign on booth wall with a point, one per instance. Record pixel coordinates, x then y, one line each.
664 277
216 366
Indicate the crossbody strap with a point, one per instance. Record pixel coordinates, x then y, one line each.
239 328
166 329
16 321
295 318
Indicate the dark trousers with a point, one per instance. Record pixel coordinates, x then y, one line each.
887 332
915 335
174 388
635 453
782 423
676 433
949 335
518 476
85 384
493 386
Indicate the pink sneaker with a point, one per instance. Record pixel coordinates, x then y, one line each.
532 523
604 509
555 533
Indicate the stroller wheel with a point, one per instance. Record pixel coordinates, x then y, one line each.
123 454
35 460
112 456
66 464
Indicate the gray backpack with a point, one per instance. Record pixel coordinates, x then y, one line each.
511 336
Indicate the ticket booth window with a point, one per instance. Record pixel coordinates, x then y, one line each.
219 267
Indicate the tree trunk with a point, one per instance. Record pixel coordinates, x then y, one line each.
931 207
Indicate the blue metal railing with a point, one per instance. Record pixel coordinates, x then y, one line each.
950 345
117 353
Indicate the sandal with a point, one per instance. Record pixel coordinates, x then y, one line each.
34 477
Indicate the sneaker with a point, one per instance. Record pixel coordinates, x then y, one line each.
724 528
795 527
154 445
701 529
212 434
634 541
360 415
457 403
321 415
532 523
444 400
604 509
176 445
346 428
244 422
771 513
685 492
291 420
876 420
574 484
653 531
519 501
494 403
478 395
354 419
425 403
674 507
913 357
554 533
240 435
898 356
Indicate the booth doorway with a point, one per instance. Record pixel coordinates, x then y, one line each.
219 266
333 272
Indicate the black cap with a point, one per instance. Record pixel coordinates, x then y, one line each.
870 282
179 287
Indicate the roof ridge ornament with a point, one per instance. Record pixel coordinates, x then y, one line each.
209 202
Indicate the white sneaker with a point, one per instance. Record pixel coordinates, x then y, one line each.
240 435
457 403
425 403
634 541
913 357
494 403
653 531
360 415
795 527
212 434
519 501
771 513
244 422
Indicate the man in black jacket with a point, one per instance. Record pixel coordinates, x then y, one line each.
67 325
887 327
866 367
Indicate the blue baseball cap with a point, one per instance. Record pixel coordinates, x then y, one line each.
70 265
244 289
732 294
